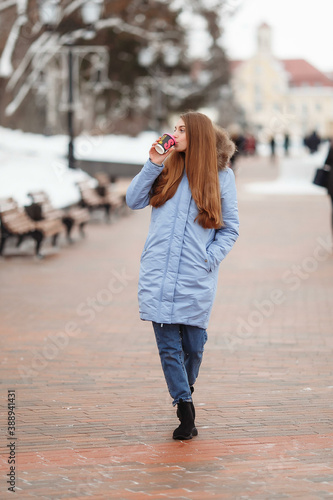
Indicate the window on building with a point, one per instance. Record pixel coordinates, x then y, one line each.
257 91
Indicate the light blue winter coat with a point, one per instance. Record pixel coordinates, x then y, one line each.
180 259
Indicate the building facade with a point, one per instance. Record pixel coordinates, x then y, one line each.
282 96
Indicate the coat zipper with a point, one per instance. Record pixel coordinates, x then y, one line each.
171 238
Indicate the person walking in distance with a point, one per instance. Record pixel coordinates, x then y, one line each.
329 163
194 224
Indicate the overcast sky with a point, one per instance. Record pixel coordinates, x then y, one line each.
300 29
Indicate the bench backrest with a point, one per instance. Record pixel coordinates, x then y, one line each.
89 194
41 198
7 204
14 218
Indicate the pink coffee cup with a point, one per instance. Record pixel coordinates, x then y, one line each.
165 143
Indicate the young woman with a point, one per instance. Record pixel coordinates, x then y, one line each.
194 224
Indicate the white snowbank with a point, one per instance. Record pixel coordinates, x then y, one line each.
21 174
295 176
32 162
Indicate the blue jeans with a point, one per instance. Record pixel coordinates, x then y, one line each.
181 349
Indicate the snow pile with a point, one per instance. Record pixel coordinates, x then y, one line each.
295 176
32 162
115 148
20 174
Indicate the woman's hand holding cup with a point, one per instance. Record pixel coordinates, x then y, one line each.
164 143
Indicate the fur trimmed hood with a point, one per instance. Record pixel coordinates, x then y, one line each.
225 147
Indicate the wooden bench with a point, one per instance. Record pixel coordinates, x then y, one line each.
100 196
16 222
120 186
117 186
73 216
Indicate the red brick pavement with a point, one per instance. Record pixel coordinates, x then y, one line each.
93 417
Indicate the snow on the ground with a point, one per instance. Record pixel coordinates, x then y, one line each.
296 174
22 174
33 162
122 149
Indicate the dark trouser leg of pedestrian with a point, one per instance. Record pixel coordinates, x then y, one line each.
169 343
331 195
193 340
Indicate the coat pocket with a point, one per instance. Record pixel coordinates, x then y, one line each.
207 263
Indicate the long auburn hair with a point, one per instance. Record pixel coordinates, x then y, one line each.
201 165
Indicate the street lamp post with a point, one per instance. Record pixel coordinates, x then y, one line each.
49 14
91 11
70 112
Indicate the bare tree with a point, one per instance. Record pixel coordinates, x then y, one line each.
146 71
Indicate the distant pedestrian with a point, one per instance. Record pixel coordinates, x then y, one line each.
194 224
286 143
312 141
329 163
272 145
238 139
249 144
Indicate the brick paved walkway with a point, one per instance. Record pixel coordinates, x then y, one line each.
93 416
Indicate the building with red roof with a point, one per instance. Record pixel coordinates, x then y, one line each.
279 96
303 73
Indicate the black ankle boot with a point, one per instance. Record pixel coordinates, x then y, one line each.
185 430
194 430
